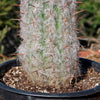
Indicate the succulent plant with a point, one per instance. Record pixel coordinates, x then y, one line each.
50 45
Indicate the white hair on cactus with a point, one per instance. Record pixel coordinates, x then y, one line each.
50 44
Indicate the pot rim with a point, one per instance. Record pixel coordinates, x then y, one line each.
51 95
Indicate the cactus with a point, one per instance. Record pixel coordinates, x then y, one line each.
50 44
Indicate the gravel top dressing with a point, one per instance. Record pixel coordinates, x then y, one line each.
17 78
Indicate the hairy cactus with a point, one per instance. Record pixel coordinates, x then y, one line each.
50 44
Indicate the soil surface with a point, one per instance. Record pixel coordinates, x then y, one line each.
16 78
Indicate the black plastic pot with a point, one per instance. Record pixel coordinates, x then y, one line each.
8 93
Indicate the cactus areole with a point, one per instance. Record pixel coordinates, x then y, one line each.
50 44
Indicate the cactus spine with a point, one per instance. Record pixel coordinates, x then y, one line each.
49 43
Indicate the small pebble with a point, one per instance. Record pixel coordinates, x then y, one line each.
96 84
